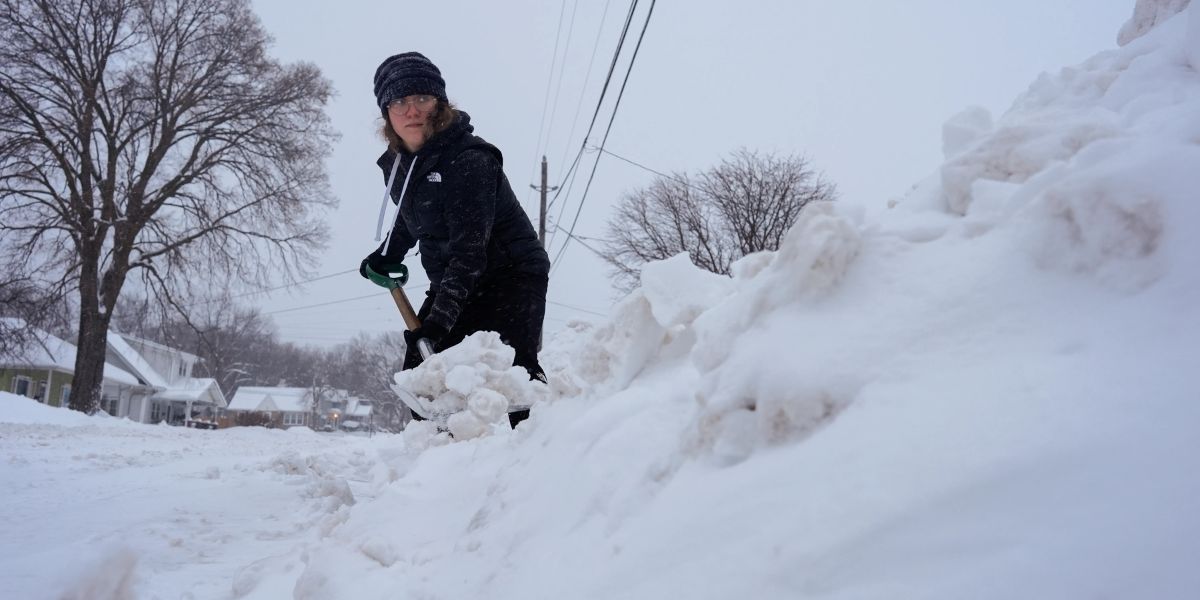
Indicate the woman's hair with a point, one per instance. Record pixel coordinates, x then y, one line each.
443 116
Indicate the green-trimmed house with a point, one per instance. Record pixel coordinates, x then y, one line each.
143 381
45 371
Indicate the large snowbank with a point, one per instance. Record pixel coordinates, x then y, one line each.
986 392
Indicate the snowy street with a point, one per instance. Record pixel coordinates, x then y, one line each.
192 507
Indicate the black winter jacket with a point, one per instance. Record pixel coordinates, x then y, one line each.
462 211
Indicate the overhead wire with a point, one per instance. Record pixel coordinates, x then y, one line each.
604 140
599 103
273 289
586 78
561 67
549 83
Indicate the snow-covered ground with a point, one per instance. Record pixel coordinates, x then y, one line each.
989 391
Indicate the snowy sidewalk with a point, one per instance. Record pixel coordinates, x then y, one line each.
93 509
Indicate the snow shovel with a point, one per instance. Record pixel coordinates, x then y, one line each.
393 278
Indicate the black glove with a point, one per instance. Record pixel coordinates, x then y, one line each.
429 331
380 271
373 260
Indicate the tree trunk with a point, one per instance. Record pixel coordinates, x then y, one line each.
92 344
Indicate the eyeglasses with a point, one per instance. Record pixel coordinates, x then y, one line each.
421 101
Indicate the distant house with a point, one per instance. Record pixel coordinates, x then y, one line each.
167 390
283 406
143 381
45 371
358 415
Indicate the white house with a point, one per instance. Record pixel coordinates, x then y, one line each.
286 406
358 414
166 391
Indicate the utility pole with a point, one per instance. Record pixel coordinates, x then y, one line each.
544 189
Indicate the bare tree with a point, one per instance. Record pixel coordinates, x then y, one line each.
157 139
25 310
364 366
744 205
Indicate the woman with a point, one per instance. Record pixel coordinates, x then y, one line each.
486 268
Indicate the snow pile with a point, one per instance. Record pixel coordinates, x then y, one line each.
475 380
919 405
1092 162
27 411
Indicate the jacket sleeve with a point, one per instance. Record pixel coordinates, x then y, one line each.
470 212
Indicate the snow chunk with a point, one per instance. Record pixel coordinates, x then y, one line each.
419 435
476 381
609 357
380 551
1018 151
811 261
112 579
1147 14
678 291
964 129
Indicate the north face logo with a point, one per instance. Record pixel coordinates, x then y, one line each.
434 177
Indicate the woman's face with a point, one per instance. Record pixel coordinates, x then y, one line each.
410 118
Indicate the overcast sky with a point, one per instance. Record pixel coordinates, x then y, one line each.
861 88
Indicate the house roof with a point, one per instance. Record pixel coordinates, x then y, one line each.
272 399
59 354
134 360
358 407
197 390
154 344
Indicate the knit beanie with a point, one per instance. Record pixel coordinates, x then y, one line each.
405 75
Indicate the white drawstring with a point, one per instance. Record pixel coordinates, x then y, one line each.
386 192
403 188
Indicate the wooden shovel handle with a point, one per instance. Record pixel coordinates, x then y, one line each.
406 310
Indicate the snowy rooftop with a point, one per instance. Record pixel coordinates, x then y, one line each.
272 399
57 353
141 368
203 390
359 408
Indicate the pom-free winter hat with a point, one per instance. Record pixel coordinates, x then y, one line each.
407 74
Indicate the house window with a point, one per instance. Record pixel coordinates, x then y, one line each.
40 393
110 405
293 418
158 412
21 385
64 398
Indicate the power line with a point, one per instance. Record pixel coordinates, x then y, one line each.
268 290
275 312
591 312
587 77
604 140
561 67
645 168
599 104
549 82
